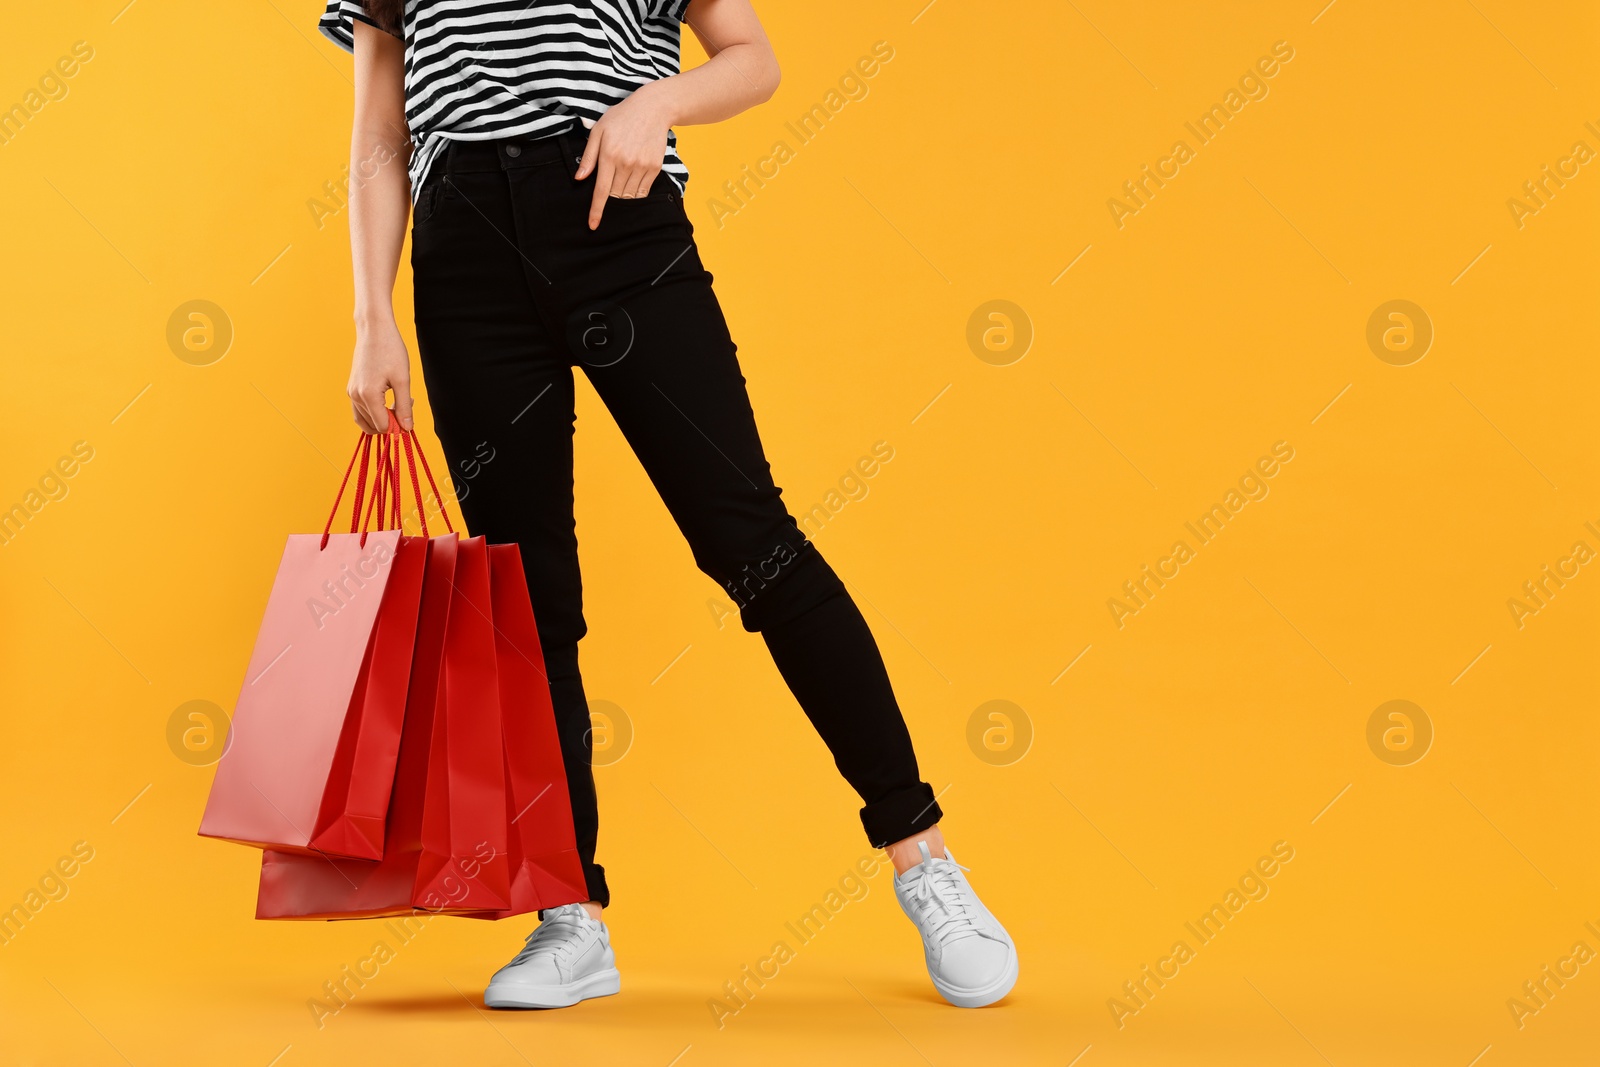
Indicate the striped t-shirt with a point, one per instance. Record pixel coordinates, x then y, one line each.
477 70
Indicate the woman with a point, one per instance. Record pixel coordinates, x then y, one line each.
534 141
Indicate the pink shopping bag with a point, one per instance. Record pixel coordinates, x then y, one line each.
309 760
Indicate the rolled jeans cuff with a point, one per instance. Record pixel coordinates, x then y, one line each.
900 815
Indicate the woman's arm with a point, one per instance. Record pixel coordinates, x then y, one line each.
380 205
628 142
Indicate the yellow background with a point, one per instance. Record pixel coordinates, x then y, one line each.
1225 316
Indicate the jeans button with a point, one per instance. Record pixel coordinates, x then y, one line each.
513 151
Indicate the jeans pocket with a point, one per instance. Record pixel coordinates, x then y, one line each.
428 199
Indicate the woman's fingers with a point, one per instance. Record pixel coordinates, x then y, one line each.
624 182
586 165
371 414
363 410
591 152
377 404
356 411
618 172
605 179
639 183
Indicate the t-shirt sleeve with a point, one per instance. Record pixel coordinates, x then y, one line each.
338 22
671 10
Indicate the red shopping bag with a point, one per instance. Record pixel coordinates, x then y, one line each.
545 869
464 829
309 761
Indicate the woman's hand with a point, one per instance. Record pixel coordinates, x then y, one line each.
629 141
626 147
381 363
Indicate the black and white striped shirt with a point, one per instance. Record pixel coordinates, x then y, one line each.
482 69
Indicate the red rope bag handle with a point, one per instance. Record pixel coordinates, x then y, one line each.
384 499
363 450
423 457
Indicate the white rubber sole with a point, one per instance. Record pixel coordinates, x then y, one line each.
981 998
604 983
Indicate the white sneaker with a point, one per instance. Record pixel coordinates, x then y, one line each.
567 958
970 956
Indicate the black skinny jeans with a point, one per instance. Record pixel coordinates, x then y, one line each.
512 291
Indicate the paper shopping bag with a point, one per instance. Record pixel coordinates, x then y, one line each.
356 800
545 869
464 829
309 760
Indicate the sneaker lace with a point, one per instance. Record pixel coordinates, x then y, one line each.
938 888
556 935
